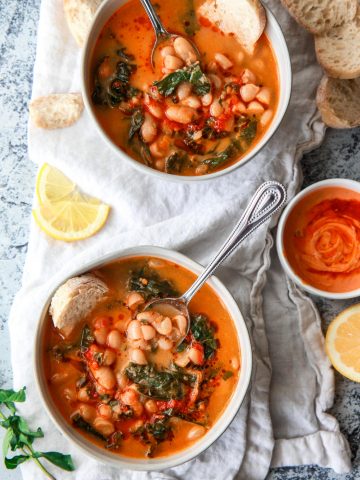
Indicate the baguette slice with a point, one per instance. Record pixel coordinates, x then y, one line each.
246 19
75 299
339 102
79 15
59 110
321 15
338 51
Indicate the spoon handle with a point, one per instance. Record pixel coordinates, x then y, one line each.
268 198
160 30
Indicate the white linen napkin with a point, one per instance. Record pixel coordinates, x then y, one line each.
283 420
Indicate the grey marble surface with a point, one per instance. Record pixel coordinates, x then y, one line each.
339 156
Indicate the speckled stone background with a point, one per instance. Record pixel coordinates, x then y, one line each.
339 156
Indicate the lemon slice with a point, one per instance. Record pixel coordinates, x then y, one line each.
343 343
64 212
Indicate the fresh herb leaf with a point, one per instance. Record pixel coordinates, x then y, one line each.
60 460
160 429
249 132
203 333
189 19
228 374
161 384
175 162
20 436
115 440
79 422
192 74
11 463
137 119
128 57
12 396
86 338
222 157
155 287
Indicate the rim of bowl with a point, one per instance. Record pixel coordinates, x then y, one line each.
333 182
222 422
281 53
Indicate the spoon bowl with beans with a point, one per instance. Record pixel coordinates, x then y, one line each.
268 199
184 48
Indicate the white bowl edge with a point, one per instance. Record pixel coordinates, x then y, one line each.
333 182
279 46
222 423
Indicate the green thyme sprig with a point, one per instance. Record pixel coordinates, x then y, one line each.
20 438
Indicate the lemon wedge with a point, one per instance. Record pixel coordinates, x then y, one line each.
343 343
64 212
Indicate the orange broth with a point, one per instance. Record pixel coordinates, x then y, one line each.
130 29
322 239
67 373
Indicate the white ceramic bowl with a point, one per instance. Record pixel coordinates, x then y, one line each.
281 52
116 460
336 182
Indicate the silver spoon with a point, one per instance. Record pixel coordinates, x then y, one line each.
269 197
161 33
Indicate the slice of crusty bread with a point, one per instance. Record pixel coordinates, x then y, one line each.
79 15
56 111
75 299
321 15
339 102
246 19
338 51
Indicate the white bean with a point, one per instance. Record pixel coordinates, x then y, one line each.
182 359
266 117
207 99
105 411
264 96
196 432
83 395
181 323
169 50
134 330
109 357
70 394
201 169
100 335
248 76
87 412
223 61
240 56
215 80
173 63
239 107
148 332
134 299
255 108
122 379
192 101
165 344
150 406
155 110
160 164
105 377
196 356
197 135
148 129
183 90
184 50
249 91
156 263
235 364
104 426
149 316
59 378
138 356
181 114
216 109
114 339
129 397
164 327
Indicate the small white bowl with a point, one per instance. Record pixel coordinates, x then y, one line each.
335 182
218 428
277 40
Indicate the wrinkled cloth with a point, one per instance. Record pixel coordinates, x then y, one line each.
283 419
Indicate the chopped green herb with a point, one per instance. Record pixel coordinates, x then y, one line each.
155 286
79 422
19 436
189 19
249 132
192 74
175 162
204 334
224 156
228 374
86 338
114 441
137 119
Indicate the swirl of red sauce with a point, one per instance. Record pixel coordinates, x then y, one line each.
323 241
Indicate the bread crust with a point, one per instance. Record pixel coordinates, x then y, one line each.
343 91
75 299
58 110
318 22
79 15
